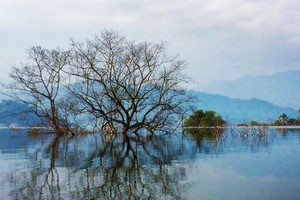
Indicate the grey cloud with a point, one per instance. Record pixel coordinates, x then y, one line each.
220 39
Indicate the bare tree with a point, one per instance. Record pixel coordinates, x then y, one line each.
127 85
39 83
116 84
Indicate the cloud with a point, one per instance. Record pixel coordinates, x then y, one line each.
230 38
257 17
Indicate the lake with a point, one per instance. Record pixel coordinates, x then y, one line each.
235 163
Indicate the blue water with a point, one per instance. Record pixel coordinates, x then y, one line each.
205 164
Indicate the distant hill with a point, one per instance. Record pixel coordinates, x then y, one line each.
16 113
281 89
239 110
233 110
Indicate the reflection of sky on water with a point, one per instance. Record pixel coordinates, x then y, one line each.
211 166
270 174
212 180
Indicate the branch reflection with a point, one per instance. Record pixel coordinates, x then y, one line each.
98 167
93 168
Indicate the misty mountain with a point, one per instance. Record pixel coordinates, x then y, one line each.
239 110
17 113
233 110
281 89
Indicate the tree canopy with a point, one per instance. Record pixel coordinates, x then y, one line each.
284 120
202 118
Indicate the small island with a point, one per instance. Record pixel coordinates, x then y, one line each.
202 118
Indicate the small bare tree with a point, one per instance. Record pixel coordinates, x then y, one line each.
38 84
127 85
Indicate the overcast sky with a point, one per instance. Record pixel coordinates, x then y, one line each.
220 39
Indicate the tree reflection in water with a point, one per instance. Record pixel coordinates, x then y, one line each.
208 140
97 167
217 140
92 168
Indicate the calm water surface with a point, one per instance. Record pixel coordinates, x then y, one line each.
200 164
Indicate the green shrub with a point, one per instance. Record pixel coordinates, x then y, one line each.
200 118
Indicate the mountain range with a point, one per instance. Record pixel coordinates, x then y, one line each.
282 89
259 98
232 110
